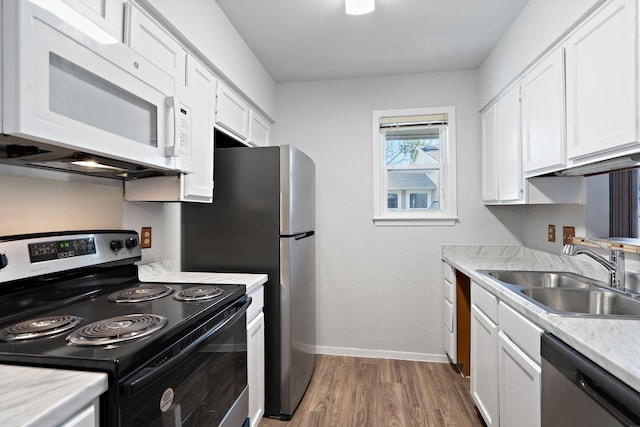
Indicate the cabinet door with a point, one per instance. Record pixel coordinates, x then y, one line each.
490 160
107 14
151 41
484 371
201 86
510 179
602 85
232 113
258 130
255 368
543 134
519 385
87 417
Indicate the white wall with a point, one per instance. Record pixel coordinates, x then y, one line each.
379 288
204 24
164 220
539 24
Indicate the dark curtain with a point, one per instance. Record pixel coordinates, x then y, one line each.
623 203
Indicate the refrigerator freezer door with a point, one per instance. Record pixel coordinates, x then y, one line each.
298 319
297 186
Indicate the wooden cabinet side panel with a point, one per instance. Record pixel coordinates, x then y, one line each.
463 319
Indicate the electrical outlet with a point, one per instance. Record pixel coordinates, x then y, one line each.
568 233
145 238
551 233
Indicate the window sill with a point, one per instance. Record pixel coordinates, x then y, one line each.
413 222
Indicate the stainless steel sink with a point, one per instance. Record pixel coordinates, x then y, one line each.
590 302
568 294
546 279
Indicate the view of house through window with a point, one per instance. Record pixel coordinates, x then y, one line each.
414 165
412 160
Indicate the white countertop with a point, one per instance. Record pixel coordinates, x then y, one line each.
613 344
162 271
41 397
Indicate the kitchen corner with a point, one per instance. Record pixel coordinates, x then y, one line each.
614 344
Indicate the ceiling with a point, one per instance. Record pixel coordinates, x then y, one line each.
301 40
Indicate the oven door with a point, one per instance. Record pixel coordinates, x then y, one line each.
67 84
203 385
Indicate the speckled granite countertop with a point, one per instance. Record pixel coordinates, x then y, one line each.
163 271
613 344
40 397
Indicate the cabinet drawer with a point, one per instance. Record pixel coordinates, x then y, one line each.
448 273
448 315
449 291
521 331
257 303
485 301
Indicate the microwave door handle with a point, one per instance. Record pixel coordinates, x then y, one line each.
148 375
172 150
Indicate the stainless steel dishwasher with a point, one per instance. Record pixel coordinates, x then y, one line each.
577 392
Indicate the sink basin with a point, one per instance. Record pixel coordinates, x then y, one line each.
589 302
544 279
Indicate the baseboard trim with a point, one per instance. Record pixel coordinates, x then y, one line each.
382 354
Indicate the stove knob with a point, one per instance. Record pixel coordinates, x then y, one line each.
4 261
131 243
116 245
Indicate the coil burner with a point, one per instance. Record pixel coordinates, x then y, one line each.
198 293
40 327
141 293
117 329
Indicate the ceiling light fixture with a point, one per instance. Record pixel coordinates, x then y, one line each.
359 7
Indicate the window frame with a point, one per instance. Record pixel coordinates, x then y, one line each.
448 212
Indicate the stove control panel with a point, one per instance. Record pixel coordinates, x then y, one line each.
57 249
33 255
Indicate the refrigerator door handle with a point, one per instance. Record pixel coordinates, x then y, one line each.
299 236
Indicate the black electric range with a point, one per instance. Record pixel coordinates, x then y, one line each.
72 300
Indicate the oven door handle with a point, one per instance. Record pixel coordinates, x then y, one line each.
149 374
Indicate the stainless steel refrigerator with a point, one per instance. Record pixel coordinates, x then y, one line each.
262 220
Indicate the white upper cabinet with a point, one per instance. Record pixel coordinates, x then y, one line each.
150 40
258 130
201 85
107 14
232 112
543 131
602 84
195 87
490 160
502 155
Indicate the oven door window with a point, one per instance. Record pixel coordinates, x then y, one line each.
197 392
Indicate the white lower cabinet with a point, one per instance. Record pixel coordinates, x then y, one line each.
255 356
518 385
87 417
484 370
505 362
449 312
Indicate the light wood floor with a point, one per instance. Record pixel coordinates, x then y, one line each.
353 391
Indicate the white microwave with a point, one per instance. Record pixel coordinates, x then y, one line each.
69 85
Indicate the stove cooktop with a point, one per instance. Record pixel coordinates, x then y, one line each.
100 314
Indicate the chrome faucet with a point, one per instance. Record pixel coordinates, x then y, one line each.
615 263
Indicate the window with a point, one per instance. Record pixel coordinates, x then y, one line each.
414 171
